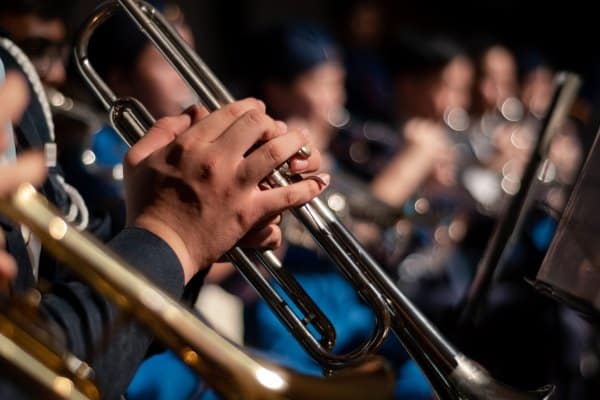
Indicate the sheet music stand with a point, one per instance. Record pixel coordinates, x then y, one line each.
570 271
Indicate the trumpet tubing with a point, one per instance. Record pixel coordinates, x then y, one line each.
451 374
132 120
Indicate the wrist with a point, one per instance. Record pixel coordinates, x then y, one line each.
173 239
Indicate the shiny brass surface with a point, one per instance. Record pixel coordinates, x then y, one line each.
233 373
37 359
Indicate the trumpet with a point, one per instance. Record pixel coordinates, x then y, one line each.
230 371
451 374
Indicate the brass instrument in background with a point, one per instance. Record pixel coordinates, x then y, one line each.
233 373
451 374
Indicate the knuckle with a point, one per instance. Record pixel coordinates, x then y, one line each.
292 197
165 123
274 153
235 110
207 168
242 176
256 103
255 117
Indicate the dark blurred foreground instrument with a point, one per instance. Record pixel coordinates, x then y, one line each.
31 355
231 372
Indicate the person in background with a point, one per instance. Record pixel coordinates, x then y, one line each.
432 80
300 75
40 30
498 113
362 25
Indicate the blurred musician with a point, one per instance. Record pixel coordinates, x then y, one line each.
502 136
566 149
362 25
28 167
498 115
40 30
433 78
300 75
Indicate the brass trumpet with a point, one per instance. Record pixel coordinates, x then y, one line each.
451 374
233 373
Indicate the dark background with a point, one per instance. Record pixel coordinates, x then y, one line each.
563 32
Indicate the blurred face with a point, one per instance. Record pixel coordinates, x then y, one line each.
157 85
537 90
43 41
456 81
318 94
499 79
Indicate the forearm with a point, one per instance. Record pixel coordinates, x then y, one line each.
87 318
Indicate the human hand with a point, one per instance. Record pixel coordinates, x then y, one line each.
28 168
426 135
194 180
430 140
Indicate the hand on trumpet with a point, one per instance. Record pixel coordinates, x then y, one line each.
28 168
194 180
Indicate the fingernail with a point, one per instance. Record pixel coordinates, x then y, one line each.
299 165
305 132
282 126
326 178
